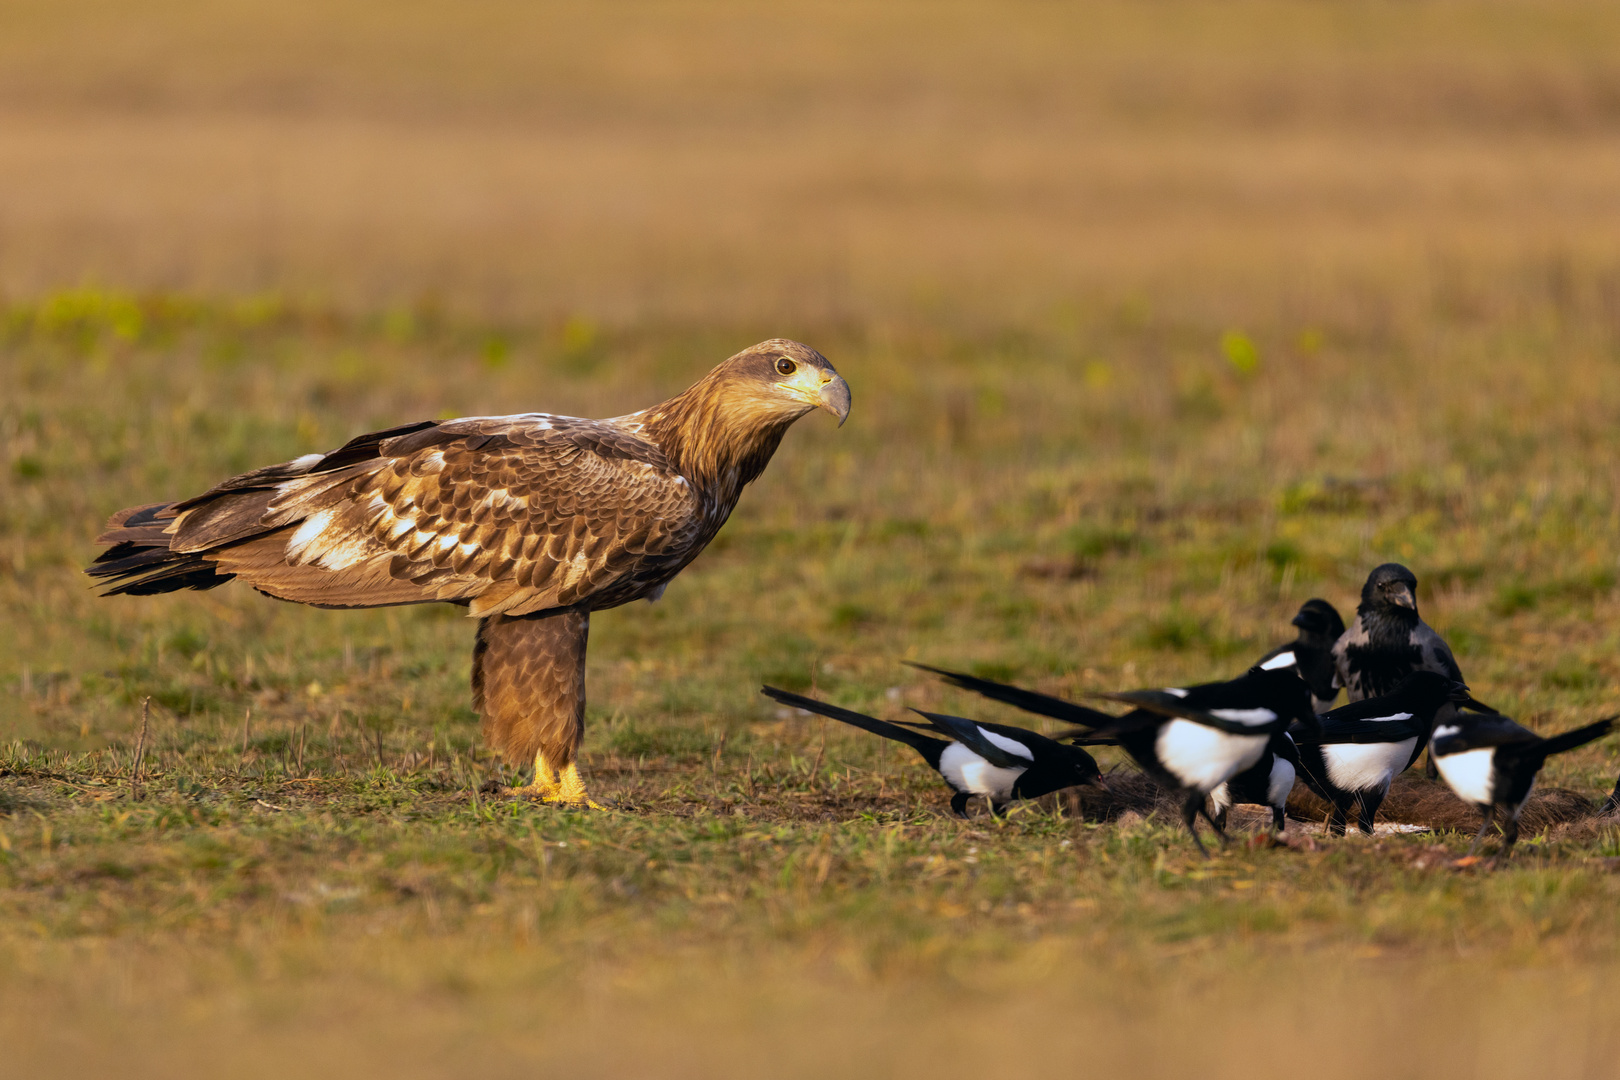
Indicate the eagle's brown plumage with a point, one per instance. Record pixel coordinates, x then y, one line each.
532 521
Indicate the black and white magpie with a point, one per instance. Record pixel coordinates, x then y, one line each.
1364 745
1492 762
1266 783
1000 763
1311 653
1189 740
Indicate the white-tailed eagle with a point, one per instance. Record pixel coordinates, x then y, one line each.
532 521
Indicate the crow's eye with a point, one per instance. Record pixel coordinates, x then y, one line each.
786 366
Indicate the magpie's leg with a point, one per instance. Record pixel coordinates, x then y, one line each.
1484 827
1279 823
1218 825
1510 833
1189 814
959 803
1370 802
1337 819
1430 769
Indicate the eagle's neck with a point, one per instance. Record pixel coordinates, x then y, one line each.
718 442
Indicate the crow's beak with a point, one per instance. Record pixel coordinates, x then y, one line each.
1402 596
834 398
1461 696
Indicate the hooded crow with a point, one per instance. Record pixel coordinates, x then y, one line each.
1189 740
1492 762
1266 783
1311 653
1364 745
998 762
1389 640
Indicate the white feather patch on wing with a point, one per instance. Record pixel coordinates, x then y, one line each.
1470 774
308 531
1365 766
1281 660
1203 757
1175 691
967 771
1012 746
1246 717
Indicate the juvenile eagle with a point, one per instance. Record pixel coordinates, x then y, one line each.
533 521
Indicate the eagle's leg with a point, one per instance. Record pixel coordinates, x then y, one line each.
529 686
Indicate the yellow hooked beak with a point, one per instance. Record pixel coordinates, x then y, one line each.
820 390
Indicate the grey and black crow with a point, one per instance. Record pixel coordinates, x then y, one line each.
1492 762
1189 740
1388 641
1311 653
1000 763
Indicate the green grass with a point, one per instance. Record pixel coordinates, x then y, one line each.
311 813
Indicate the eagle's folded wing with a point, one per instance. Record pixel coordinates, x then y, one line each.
511 514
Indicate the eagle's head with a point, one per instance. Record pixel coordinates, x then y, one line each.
778 381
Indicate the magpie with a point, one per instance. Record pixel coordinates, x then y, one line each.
1311 653
1364 745
1266 783
998 762
1189 740
1492 762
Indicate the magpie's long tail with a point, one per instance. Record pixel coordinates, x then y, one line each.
1569 740
925 745
1028 700
1612 803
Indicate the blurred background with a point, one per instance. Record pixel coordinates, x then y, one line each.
812 161
1160 316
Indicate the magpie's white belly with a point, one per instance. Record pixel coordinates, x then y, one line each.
1362 766
1469 773
969 772
1203 758
1282 782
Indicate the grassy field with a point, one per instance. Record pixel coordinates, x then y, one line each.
1159 319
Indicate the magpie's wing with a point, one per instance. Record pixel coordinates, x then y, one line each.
1030 700
1256 721
1479 731
999 750
1373 730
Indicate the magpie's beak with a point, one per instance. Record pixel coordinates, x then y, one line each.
1401 596
834 398
1461 696
1298 620
1100 782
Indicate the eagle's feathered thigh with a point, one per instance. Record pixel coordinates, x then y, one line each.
532 521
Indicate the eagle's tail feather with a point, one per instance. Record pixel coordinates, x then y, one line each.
139 561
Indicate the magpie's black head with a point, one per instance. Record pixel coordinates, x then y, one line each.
1085 768
1391 591
1285 694
1319 623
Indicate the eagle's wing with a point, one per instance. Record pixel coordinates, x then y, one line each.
512 514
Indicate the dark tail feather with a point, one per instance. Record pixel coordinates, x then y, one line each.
925 745
139 562
1612 803
1028 700
1580 736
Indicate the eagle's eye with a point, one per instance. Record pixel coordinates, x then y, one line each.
786 366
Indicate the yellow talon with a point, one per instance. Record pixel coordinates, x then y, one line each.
544 786
571 790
